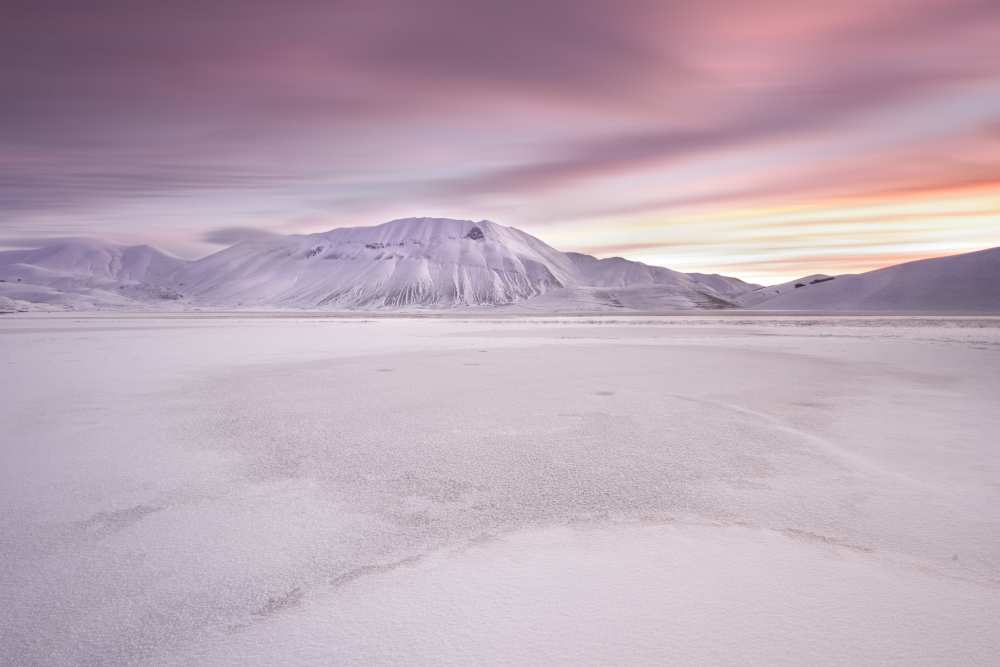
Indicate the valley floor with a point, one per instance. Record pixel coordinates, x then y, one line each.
236 489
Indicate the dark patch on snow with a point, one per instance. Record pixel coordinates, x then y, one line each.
476 234
284 601
810 404
822 280
710 302
810 536
604 393
110 522
365 570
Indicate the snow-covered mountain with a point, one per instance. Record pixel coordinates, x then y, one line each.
84 274
444 263
413 262
89 259
960 283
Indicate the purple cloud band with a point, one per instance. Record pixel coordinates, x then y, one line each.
360 103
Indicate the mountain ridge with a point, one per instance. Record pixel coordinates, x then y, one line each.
399 264
442 263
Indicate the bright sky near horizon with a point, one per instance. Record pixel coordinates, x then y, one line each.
766 140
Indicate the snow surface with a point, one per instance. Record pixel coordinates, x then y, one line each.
412 262
276 489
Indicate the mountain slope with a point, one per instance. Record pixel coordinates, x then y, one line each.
960 283
759 295
620 272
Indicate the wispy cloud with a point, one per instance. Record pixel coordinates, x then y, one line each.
585 121
233 235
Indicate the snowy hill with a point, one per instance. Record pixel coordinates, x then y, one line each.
413 262
624 273
960 283
86 273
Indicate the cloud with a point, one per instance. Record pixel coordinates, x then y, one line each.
29 242
150 115
233 235
792 111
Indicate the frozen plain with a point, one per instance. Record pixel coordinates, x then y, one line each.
235 489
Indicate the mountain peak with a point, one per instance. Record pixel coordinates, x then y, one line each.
425 230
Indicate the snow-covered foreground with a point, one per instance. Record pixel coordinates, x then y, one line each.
199 489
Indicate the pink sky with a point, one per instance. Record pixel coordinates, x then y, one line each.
767 140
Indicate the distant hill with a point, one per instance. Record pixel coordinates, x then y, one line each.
955 284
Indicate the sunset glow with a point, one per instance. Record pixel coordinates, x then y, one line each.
764 140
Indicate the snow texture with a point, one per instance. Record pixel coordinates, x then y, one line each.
313 490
